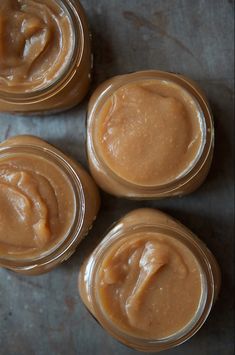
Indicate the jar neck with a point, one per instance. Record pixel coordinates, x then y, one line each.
206 128
207 283
66 75
71 237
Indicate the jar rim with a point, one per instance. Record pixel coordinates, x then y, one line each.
70 239
67 73
207 129
207 294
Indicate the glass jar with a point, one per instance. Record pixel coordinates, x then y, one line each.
82 201
112 182
67 87
147 221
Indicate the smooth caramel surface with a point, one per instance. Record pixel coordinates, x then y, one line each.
149 132
149 285
36 43
37 205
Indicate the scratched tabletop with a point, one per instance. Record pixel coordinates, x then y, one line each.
44 315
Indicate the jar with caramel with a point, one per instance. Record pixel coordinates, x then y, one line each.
45 55
149 135
48 203
150 283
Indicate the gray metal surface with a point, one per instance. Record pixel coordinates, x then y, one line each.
44 315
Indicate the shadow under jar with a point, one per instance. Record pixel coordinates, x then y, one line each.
45 55
151 282
150 134
48 203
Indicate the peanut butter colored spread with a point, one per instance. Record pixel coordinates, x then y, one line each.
149 132
36 43
150 285
150 282
37 209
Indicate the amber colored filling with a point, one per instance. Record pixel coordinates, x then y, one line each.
149 285
36 42
37 204
149 132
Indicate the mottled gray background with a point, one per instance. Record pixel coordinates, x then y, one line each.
44 315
